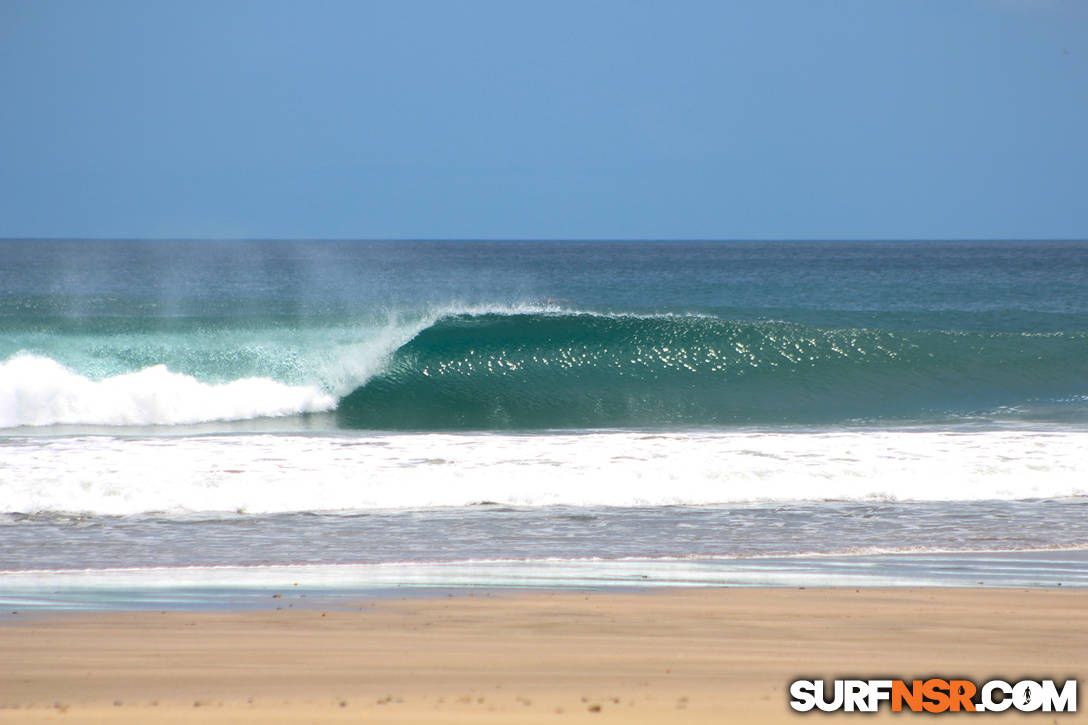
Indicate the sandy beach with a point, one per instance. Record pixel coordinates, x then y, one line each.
703 655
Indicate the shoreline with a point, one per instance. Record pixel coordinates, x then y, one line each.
692 655
235 588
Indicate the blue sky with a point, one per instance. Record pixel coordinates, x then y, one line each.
765 119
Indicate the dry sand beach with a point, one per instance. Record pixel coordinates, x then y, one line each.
697 655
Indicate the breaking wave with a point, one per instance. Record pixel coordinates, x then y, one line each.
485 371
540 368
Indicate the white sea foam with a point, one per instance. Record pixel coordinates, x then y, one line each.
38 391
278 473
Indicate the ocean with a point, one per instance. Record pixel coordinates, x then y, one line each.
352 415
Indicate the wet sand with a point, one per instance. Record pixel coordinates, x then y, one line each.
696 655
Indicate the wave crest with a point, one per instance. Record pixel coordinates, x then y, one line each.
585 370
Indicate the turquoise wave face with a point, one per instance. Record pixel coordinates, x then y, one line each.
551 370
